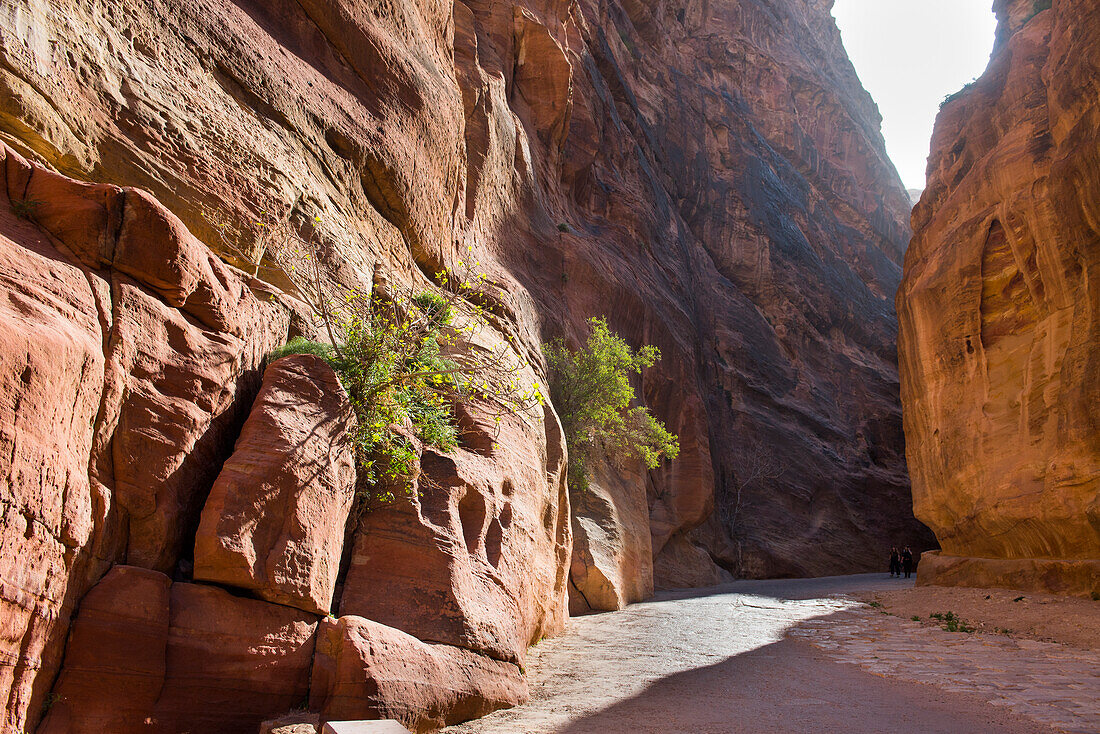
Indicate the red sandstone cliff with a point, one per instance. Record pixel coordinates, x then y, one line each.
999 314
710 176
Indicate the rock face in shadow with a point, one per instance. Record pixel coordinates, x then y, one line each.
612 563
1000 315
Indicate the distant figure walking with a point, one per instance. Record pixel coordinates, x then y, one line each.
895 562
907 561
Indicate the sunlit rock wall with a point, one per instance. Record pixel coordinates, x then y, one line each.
1000 342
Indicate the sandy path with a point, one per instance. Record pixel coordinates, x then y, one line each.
718 661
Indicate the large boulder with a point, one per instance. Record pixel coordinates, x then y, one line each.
612 563
277 515
684 564
365 670
116 659
149 655
1000 314
232 662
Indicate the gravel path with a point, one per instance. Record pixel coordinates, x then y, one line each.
723 660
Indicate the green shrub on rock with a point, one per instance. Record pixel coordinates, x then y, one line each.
590 388
405 358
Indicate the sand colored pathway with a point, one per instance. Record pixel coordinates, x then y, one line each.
725 660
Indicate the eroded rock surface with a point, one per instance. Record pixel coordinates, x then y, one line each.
150 655
612 563
475 553
711 178
1000 322
136 353
132 354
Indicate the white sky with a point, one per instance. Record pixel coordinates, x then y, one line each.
909 56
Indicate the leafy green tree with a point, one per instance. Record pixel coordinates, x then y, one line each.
590 388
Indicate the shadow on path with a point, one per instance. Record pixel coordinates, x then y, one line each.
719 661
787 687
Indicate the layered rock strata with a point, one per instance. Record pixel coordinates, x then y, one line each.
130 354
711 177
999 314
147 654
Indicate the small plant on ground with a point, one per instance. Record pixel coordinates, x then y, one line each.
563 227
950 622
25 208
875 604
915 618
590 388
1096 596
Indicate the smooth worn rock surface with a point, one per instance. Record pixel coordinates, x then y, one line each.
147 654
685 562
612 563
365 670
233 662
276 517
1053 576
115 663
1000 328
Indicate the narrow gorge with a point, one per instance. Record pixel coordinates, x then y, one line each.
180 544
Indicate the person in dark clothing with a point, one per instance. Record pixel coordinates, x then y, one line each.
895 562
907 561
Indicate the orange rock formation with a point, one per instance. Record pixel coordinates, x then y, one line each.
1000 317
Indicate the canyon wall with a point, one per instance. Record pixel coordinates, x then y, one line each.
999 309
708 175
